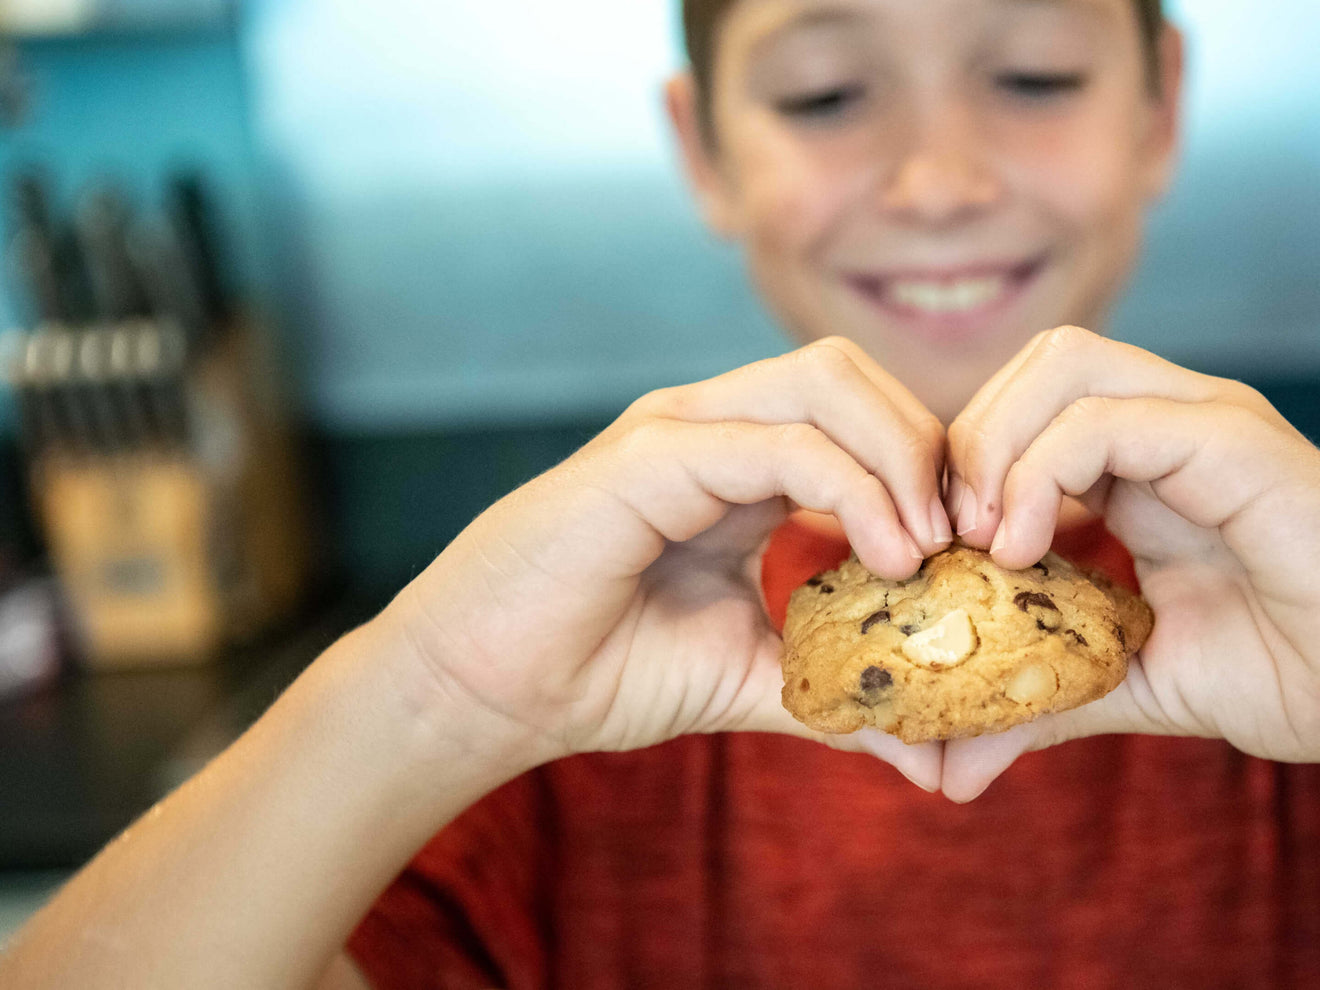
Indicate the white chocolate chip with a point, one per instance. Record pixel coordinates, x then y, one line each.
945 644
1033 683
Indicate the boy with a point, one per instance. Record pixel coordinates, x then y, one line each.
937 180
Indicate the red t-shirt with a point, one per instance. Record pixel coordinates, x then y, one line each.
768 861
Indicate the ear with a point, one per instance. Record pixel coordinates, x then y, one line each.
1166 118
700 160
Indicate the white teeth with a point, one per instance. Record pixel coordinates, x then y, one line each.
948 297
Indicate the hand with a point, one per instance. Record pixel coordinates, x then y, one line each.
1218 499
614 602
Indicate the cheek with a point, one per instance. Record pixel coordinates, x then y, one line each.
1084 176
792 193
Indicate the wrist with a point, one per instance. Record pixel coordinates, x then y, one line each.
433 732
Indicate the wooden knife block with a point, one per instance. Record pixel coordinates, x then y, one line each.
166 555
129 541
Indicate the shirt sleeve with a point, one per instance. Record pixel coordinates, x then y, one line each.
470 910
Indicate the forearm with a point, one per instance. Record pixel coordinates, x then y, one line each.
255 871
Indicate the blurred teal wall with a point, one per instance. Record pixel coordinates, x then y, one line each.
132 108
469 212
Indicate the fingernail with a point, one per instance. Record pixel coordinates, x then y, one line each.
967 513
956 490
914 781
939 522
1001 537
883 747
913 549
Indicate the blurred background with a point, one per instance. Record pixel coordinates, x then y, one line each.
318 280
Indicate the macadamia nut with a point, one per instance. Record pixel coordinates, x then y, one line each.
1034 683
945 644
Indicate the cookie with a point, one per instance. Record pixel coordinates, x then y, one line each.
962 648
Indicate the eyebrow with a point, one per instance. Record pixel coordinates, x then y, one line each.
1089 7
805 20
847 16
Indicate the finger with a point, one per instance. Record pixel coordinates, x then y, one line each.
1062 366
921 763
958 442
679 479
1207 462
835 387
972 765
895 390
926 423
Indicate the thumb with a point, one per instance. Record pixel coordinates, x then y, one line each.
972 765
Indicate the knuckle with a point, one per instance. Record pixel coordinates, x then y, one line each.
828 359
642 437
1244 421
957 434
1243 395
1087 409
870 489
1038 338
916 446
800 435
659 402
837 342
640 407
1070 337
857 487
1064 342
931 431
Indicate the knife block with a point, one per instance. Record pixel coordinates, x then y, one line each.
128 539
167 553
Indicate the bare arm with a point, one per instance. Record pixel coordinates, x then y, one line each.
610 604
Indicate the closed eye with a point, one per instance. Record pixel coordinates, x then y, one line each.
1040 85
821 104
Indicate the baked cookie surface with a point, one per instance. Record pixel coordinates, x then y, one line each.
964 647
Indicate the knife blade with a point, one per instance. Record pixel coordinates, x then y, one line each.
102 222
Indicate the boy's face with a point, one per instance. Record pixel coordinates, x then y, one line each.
936 179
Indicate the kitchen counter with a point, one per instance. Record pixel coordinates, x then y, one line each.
83 758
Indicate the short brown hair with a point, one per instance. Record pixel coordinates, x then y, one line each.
702 20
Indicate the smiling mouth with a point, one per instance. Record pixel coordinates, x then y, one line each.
953 299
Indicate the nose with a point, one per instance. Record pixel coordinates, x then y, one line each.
941 175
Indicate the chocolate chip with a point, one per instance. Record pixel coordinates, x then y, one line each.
1042 568
1081 640
805 685
909 629
876 679
1041 608
1122 639
827 589
1024 599
814 582
873 683
873 618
